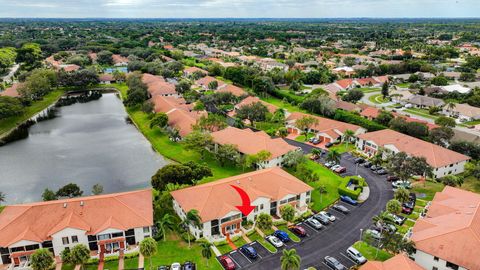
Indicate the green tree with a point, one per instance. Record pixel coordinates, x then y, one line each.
148 248
385 90
70 190
49 195
440 80
293 158
41 259
254 112
30 54
257 159
105 58
287 212
264 221
10 106
394 206
353 96
290 260
38 84
295 86
97 189
159 120
263 85
172 173
164 225
192 219
213 85
348 135
183 86
441 136
212 122
2 197
199 141
79 255
450 106
305 123
206 250
227 152
452 180
334 156
402 195
445 122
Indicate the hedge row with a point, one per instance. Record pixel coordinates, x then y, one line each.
356 119
292 98
344 190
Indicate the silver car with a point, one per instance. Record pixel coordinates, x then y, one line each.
328 215
355 255
314 223
274 241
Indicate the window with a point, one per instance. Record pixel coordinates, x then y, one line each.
65 240
434 268
261 206
146 229
103 236
452 265
118 234
308 193
74 239
435 259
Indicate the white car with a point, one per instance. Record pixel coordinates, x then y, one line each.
175 266
274 241
400 183
375 234
333 168
355 255
328 215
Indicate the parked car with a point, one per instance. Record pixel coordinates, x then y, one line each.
340 169
329 144
330 164
399 220
175 266
374 234
315 141
322 218
406 210
249 251
381 172
355 255
409 204
283 236
375 168
334 263
413 197
274 241
298 230
367 164
188 266
162 267
392 178
348 200
400 183
329 215
341 208
227 263
359 160
334 167
314 223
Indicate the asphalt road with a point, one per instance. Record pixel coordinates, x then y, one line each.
334 240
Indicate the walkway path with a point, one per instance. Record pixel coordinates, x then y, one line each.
141 261
8 77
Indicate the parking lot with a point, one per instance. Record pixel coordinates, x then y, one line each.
241 260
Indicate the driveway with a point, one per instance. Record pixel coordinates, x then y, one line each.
337 237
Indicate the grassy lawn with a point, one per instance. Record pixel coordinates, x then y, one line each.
369 252
175 150
10 123
378 99
472 123
281 104
369 89
292 235
403 85
472 184
409 223
343 147
421 112
303 138
225 248
265 126
256 237
239 242
427 188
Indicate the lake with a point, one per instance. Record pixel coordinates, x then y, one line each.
87 143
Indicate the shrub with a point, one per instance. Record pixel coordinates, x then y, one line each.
344 190
356 119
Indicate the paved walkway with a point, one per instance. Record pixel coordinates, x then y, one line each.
8 77
364 195
230 243
141 261
216 251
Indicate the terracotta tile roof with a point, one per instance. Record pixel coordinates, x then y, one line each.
436 156
370 112
106 78
216 199
398 262
381 79
38 221
326 125
191 70
183 120
235 90
69 68
251 99
347 106
93 56
118 59
366 81
207 80
157 85
167 103
11 91
345 83
250 142
451 228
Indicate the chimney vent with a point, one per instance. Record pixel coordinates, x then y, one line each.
82 203
64 205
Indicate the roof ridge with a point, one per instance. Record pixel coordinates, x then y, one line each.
133 211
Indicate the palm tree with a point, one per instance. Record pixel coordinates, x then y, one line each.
206 251
316 152
41 259
347 136
290 260
192 219
148 248
334 156
402 195
2 197
79 255
165 224
394 206
381 220
450 106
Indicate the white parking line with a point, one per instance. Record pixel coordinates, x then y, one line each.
327 265
245 257
348 258
239 266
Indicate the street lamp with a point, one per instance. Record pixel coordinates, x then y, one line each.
361 234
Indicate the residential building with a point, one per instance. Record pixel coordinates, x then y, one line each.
268 64
398 262
205 82
252 99
326 130
156 85
120 61
234 90
420 101
183 120
191 70
345 84
344 71
216 202
106 78
106 224
456 88
249 142
464 112
167 103
442 160
448 236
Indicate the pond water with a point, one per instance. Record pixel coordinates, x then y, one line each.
87 143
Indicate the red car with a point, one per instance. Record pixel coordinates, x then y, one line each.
407 210
300 231
341 170
227 263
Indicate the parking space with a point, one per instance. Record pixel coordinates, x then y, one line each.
261 250
310 230
345 260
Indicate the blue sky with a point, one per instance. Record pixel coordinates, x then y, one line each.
239 8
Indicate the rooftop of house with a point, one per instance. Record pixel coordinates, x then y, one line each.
398 262
325 124
216 199
118 59
345 83
11 91
191 70
167 103
250 142
435 155
38 221
234 90
205 81
451 228
157 85
252 99
426 101
184 120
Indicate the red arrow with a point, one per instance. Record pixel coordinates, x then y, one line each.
246 207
